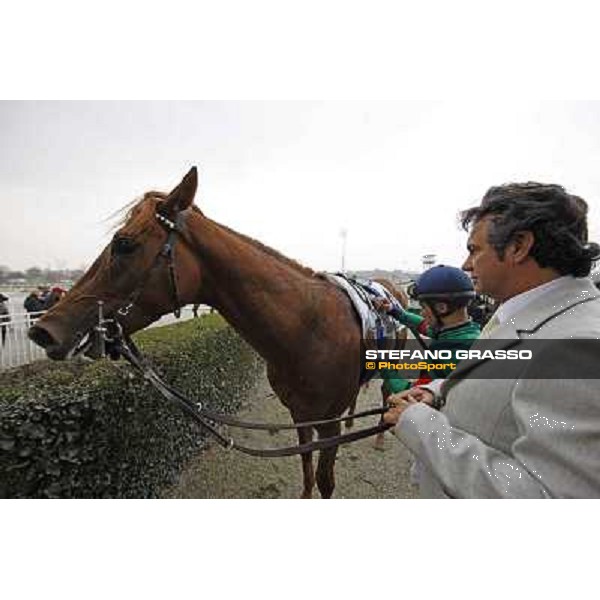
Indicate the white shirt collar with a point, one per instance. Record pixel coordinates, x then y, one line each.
515 304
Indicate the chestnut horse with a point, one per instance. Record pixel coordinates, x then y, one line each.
303 326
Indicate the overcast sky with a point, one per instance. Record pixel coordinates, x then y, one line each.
291 174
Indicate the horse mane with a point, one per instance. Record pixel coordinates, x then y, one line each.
270 251
125 213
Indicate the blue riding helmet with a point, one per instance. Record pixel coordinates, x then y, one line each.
444 283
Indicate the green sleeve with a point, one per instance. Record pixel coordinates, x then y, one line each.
395 386
412 320
407 318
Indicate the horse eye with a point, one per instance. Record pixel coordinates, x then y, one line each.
123 245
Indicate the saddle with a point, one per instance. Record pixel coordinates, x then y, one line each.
378 331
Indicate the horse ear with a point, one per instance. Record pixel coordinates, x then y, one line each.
183 195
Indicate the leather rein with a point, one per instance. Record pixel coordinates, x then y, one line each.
113 342
120 345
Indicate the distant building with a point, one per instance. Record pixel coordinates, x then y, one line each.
428 261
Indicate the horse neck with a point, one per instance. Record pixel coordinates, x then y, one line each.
264 296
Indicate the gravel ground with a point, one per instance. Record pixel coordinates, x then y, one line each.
361 471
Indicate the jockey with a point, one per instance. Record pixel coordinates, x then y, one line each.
444 294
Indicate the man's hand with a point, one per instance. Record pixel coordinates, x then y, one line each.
382 305
418 394
398 403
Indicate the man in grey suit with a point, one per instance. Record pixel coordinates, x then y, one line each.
529 436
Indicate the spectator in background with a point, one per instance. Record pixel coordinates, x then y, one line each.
4 317
44 293
33 304
481 310
56 293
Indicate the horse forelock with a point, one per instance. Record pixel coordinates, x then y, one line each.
123 215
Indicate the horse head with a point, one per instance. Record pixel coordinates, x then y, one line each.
138 277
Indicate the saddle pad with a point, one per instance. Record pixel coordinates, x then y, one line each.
376 327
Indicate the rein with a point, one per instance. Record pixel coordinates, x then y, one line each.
118 346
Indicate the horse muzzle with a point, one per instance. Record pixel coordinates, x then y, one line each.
55 348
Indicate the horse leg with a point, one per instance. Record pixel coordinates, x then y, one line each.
351 409
326 463
380 437
305 435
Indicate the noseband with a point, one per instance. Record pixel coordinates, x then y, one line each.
166 252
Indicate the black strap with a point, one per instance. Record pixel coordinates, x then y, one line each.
167 252
200 415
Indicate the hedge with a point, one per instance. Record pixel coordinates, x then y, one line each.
99 430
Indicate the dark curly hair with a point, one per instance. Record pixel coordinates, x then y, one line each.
557 219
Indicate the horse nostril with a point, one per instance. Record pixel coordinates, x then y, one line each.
41 337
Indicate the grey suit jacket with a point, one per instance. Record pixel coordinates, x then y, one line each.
522 437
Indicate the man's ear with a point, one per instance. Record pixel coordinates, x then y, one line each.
520 247
183 195
442 309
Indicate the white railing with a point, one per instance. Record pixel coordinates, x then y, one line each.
18 349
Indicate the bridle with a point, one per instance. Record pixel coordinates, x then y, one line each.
166 253
105 325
